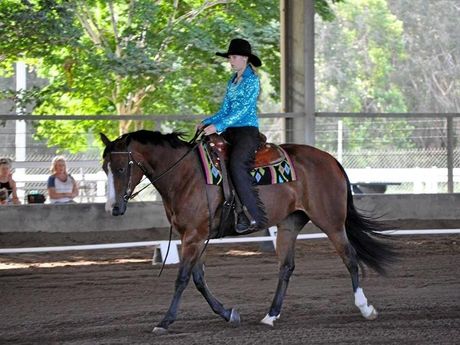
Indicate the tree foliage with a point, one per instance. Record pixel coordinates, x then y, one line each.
390 56
131 57
430 74
157 57
357 55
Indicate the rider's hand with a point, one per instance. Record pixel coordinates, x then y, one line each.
211 129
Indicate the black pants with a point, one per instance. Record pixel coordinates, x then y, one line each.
244 142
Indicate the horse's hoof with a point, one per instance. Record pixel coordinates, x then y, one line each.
159 331
235 319
372 314
269 320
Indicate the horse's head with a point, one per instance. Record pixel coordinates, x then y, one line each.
123 175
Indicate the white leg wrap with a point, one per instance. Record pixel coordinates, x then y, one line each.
268 320
368 311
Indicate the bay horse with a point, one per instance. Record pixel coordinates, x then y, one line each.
321 194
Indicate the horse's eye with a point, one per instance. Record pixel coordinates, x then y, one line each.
121 170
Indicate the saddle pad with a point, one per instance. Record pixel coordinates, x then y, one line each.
271 174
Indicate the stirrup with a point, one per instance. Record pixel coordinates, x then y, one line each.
244 224
241 229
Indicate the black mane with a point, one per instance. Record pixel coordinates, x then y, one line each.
143 136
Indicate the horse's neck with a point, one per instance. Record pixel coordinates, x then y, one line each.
172 184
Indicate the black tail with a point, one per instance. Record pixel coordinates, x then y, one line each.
366 237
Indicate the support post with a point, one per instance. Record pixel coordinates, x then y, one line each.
21 126
450 154
309 67
298 68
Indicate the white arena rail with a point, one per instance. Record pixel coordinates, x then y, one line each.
173 255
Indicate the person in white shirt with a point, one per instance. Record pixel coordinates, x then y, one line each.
62 187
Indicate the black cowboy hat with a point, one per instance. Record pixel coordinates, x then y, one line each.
239 46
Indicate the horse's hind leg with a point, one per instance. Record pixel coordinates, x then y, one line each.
285 249
230 315
348 254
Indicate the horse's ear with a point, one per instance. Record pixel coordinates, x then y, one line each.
104 139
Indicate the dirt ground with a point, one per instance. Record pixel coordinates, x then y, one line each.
116 296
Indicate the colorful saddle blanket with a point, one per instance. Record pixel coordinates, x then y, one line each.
280 172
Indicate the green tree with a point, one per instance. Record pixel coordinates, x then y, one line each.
430 75
356 57
130 57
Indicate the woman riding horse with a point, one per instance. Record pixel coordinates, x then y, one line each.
237 122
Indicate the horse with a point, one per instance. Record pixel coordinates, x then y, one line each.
320 194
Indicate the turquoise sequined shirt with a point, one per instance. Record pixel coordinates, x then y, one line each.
239 107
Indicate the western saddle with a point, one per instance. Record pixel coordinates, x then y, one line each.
266 154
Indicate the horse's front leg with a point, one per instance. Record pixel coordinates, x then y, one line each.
182 280
285 247
230 315
190 250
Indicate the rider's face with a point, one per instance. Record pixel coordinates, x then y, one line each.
238 62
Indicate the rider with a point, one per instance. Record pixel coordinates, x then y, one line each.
238 123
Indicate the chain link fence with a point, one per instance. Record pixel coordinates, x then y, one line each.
408 154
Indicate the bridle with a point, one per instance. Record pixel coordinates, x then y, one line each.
196 140
127 195
131 161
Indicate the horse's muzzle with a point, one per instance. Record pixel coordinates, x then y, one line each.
118 211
